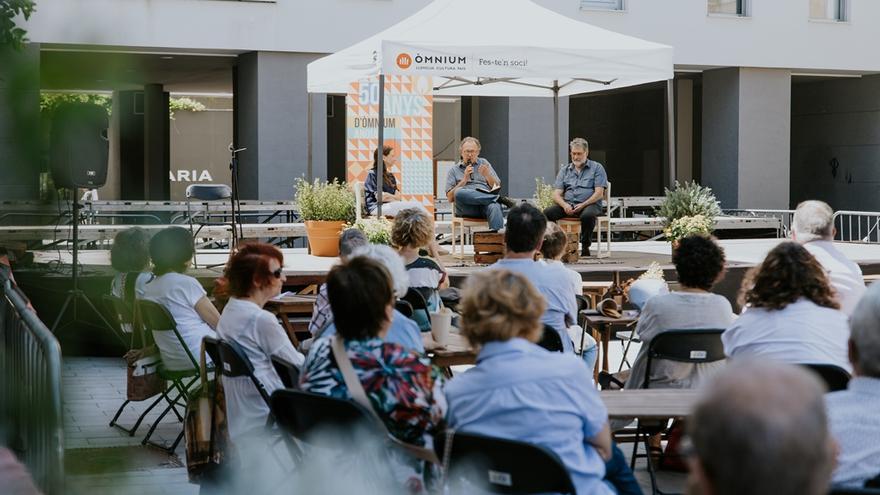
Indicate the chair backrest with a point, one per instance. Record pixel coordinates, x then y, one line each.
404 307
319 419
418 303
287 371
157 320
606 198
834 377
235 363
551 340
212 349
122 312
208 192
503 466
685 346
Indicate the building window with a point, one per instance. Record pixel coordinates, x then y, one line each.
831 10
602 4
729 7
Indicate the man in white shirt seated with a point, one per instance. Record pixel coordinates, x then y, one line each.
853 413
813 227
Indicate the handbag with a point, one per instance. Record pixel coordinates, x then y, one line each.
353 383
142 370
205 428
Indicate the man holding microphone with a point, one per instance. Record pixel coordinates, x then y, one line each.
473 186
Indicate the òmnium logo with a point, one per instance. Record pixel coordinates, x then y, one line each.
404 60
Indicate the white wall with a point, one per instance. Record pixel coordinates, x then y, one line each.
778 34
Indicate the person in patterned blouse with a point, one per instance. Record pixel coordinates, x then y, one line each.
402 386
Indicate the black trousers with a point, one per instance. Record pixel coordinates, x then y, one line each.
587 216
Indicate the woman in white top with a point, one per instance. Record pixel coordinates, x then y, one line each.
183 296
253 275
792 314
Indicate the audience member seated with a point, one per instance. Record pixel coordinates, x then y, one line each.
183 296
253 276
699 263
412 231
761 428
552 250
578 191
853 413
813 227
520 391
349 240
402 386
403 330
391 202
791 314
130 257
472 186
523 237
14 476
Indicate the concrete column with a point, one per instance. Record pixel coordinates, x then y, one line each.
272 122
746 136
684 129
157 148
20 134
517 137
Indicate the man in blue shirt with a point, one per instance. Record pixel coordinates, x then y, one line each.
578 191
472 186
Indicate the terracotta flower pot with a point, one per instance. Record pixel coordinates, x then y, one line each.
324 237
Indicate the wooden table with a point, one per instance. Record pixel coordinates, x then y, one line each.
296 305
600 327
594 290
457 350
650 404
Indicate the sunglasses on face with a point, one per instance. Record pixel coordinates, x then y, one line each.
277 273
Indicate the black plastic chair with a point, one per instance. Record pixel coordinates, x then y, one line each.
683 346
834 377
287 371
123 314
157 319
502 466
404 307
206 192
550 339
420 312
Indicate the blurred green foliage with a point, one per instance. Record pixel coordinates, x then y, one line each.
10 34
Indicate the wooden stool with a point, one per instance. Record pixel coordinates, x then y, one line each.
572 247
488 247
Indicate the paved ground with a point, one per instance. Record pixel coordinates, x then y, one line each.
104 460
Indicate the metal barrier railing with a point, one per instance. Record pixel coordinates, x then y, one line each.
785 217
30 389
857 226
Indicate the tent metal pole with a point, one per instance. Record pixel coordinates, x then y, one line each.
670 133
309 169
380 146
556 127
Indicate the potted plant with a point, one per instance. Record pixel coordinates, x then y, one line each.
377 230
688 209
543 194
325 207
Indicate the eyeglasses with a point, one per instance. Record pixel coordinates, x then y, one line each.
278 273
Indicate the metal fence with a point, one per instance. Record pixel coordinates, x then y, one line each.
30 389
857 226
785 217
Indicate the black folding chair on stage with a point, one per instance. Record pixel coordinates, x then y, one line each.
207 192
498 465
158 320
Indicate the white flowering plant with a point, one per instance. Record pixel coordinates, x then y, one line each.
377 230
685 226
543 194
654 272
688 200
327 201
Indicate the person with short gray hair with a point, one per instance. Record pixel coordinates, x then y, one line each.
813 227
473 187
852 413
761 428
578 191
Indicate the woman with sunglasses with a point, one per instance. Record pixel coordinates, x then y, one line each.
253 275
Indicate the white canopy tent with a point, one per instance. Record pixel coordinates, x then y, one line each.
498 48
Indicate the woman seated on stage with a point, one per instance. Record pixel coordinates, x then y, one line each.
253 276
391 202
791 312
130 257
699 263
411 232
183 296
521 391
402 386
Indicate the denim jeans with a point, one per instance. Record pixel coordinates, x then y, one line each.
476 204
619 475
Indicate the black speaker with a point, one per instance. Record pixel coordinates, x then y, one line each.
78 145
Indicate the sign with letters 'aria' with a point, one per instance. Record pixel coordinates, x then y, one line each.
409 109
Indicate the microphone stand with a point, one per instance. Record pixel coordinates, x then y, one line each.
237 229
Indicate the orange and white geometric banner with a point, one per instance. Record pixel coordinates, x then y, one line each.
409 111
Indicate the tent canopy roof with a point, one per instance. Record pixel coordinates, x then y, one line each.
496 48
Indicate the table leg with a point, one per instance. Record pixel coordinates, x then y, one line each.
596 337
605 330
288 327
